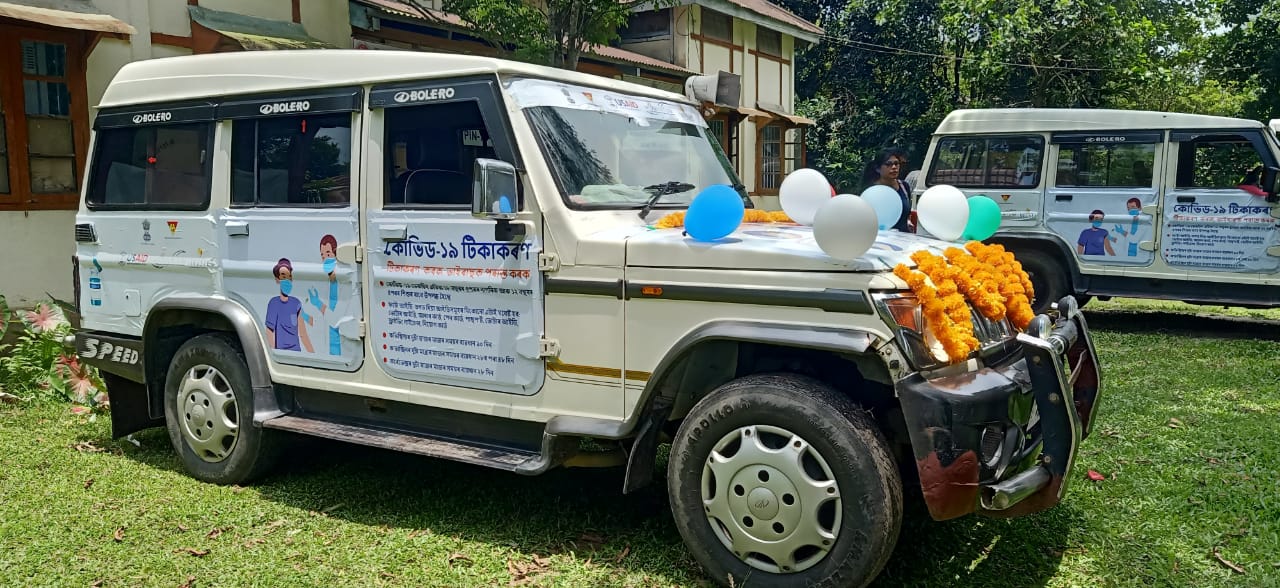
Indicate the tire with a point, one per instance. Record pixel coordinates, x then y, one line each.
225 448
1048 278
781 411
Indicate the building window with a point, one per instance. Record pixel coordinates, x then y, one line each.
154 167
770 146
717 26
647 26
292 161
768 41
43 121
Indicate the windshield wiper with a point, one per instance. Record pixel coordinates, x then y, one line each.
742 191
660 190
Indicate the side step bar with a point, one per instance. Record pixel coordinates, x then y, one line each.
503 458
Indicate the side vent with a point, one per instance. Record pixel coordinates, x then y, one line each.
85 233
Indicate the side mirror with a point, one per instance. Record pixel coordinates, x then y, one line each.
495 196
494 190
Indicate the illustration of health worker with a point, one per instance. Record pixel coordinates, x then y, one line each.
329 312
286 327
1095 240
1135 232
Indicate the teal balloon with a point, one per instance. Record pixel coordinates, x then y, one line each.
984 218
714 213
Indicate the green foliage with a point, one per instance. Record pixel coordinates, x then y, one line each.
42 365
890 70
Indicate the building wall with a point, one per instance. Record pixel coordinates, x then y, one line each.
46 237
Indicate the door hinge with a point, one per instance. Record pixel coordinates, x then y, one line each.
548 262
359 255
364 329
548 348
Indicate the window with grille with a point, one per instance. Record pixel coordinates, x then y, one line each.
717 26
771 170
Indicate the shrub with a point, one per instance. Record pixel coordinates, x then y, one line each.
42 364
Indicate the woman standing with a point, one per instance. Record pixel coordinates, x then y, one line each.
885 169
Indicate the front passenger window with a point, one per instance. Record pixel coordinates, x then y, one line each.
431 151
1219 162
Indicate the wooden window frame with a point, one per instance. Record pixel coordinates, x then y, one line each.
19 196
799 160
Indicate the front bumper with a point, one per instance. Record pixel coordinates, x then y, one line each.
1002 440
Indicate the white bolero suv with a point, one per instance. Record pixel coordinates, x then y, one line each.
455 257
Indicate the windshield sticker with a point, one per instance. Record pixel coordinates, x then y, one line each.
531 93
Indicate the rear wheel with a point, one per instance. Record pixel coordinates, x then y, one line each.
781 480
1048 277
209 413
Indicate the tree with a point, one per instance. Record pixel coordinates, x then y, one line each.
551 32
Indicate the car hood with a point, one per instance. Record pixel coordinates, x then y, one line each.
760 247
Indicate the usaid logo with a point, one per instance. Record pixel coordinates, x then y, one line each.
282 107
420 95
152 117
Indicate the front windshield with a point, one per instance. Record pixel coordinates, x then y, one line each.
609 150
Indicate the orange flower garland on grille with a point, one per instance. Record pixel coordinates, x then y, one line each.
943 306
985 275
1015 284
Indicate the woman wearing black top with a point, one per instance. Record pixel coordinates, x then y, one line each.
885 169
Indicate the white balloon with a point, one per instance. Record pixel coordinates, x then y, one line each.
801 194
845 227
943 212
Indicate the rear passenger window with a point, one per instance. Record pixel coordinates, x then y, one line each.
988 162
431 152
1105 165
162 167
292 161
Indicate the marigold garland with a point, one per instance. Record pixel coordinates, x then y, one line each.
987 276
751 215
942 304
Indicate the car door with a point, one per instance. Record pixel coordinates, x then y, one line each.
290 236
451 302
1103 198
1216 216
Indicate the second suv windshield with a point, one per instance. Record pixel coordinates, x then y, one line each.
609 150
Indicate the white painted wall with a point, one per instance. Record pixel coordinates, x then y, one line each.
39 246
45 238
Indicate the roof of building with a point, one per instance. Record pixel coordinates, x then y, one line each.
406 10
175 79
1007 120
771 10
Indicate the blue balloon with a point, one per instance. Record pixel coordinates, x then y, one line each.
504 204
886 202
714 213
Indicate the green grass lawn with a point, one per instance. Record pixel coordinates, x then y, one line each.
1186 439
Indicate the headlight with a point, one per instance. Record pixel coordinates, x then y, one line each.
917 338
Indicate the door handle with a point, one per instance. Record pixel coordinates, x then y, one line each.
393 233
237 229
1063 197
1186 199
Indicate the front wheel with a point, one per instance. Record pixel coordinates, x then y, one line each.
208 409
781 479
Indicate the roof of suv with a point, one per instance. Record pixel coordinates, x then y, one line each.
174 79
1011 120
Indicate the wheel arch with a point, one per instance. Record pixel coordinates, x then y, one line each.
175 320
709 356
